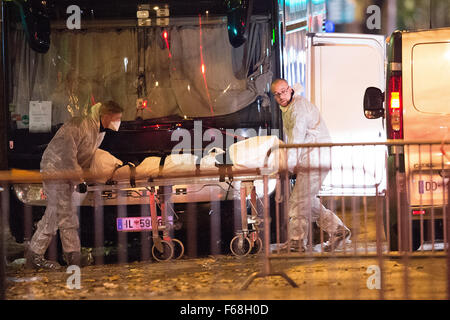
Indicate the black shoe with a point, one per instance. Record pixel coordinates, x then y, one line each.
339 238
37 261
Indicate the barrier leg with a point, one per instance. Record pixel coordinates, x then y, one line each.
262 275
267 272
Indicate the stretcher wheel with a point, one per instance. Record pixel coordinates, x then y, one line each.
178 249
257 246
240 245
166 254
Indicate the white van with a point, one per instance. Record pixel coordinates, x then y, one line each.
416 108
335 70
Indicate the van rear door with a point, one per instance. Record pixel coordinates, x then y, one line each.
342 67
426 105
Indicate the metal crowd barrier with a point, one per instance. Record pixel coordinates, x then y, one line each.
156 199
404 222
393 196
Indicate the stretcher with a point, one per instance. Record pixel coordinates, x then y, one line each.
183 178
159 184
159 192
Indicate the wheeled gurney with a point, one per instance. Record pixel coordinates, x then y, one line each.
181 178
207 185
111 184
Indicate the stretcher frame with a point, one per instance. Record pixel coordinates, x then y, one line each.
247 239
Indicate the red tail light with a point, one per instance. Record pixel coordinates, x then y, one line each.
395 108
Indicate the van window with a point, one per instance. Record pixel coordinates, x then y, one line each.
430 77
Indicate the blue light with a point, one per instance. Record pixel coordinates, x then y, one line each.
302 3
329 26
292 3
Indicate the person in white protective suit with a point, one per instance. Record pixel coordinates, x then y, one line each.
303 124
71 149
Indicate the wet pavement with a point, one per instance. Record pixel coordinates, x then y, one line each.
222 277
217 277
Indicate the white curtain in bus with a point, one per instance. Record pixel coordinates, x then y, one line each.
85 67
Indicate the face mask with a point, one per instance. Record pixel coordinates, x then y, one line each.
114 125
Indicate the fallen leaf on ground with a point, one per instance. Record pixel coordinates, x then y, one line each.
110 285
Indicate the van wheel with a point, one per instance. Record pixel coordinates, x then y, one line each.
416 233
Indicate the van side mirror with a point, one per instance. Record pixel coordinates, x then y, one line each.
373 103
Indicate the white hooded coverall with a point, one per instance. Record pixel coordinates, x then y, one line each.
72 148
303 124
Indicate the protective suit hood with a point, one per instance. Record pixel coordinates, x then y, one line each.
74 144
94 113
